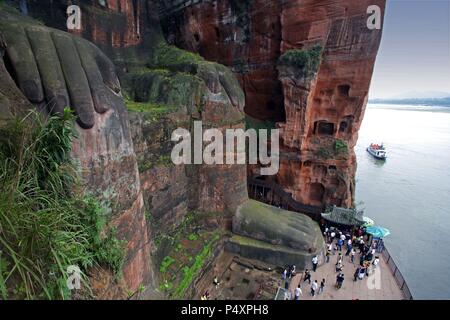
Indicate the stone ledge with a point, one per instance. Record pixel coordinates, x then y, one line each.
273 254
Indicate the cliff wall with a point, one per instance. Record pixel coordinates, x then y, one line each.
126 164
319 114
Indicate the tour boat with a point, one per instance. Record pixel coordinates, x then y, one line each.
377 150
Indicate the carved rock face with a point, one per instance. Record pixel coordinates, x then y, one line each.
105 148
54 69
313 112
275 235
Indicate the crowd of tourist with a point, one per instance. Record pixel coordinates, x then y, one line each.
343 245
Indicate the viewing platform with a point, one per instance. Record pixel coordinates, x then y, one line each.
242 278
387 285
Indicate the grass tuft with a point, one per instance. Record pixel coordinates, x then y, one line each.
46 223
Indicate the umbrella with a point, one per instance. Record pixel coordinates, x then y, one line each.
377 231
368 222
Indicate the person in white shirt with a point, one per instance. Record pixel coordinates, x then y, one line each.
333 234
284 275
343 237
352 255
376 262
287 295
314 287
315 261
298 293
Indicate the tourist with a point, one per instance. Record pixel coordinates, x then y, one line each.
356 274
339 267
327 255
339 259
330 246
342 236
362 258
361 245
284 275
287 295
307 276
362 272
349 249
339 280
216 282
314 287
376 262
315 262
348 236
367 267
205 296
340 242
293 271
298 293
333 234
322 286
289 274
352 255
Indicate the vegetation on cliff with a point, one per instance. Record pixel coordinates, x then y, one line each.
191 246
331 148
304 62
46 223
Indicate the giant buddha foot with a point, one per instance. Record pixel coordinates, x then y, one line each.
275 236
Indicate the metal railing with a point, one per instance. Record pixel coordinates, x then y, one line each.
397 274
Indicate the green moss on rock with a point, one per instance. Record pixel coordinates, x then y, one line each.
304 62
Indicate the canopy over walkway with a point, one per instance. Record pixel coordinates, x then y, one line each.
343 216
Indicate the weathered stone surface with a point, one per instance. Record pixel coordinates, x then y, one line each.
275 235
269 253
244 35
249 36
154 73
277 226
118 23
313 112
199 95
104 148
324 117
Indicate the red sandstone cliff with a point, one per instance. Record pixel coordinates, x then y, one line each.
318 115
129 33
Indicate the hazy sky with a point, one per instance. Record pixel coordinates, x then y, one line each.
415 48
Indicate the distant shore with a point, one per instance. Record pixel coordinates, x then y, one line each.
438 102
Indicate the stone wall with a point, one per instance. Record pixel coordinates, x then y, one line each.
319 115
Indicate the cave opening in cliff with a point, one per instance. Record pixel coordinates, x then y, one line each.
345 125
344 90
323 128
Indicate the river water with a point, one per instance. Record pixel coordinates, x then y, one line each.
409 193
